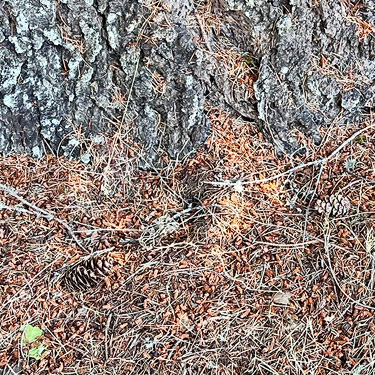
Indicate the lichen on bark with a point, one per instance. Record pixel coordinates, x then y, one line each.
73 67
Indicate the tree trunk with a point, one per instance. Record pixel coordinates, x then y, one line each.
83 67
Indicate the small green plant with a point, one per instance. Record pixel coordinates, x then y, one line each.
350 164
361 139
37 352
250 61
30 335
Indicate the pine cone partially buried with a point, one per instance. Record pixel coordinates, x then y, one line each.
86 274
335 205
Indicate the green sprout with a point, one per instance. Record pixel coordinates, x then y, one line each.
30 335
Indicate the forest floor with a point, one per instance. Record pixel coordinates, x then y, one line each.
216 269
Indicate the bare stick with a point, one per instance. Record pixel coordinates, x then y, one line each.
106 336
40 212
297 168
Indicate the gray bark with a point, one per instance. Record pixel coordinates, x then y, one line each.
64 63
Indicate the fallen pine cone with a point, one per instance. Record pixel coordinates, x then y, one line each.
86 273
334 205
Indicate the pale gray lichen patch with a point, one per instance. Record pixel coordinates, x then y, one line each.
9 73
93 42
53 36
69 55
86 158
73 64
10 101
113 32
98 139
37 152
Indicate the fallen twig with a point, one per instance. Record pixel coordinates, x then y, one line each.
40 212
295 169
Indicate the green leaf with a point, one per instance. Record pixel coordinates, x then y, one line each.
361 139
37 352
31 333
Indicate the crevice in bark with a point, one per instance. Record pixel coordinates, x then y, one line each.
313 66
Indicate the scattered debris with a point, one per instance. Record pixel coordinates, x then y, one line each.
181 287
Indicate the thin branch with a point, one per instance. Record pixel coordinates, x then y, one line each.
40 212
295 169
106 352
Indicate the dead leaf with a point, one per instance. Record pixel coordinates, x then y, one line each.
281 298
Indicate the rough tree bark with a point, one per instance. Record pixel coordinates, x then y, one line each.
75 66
